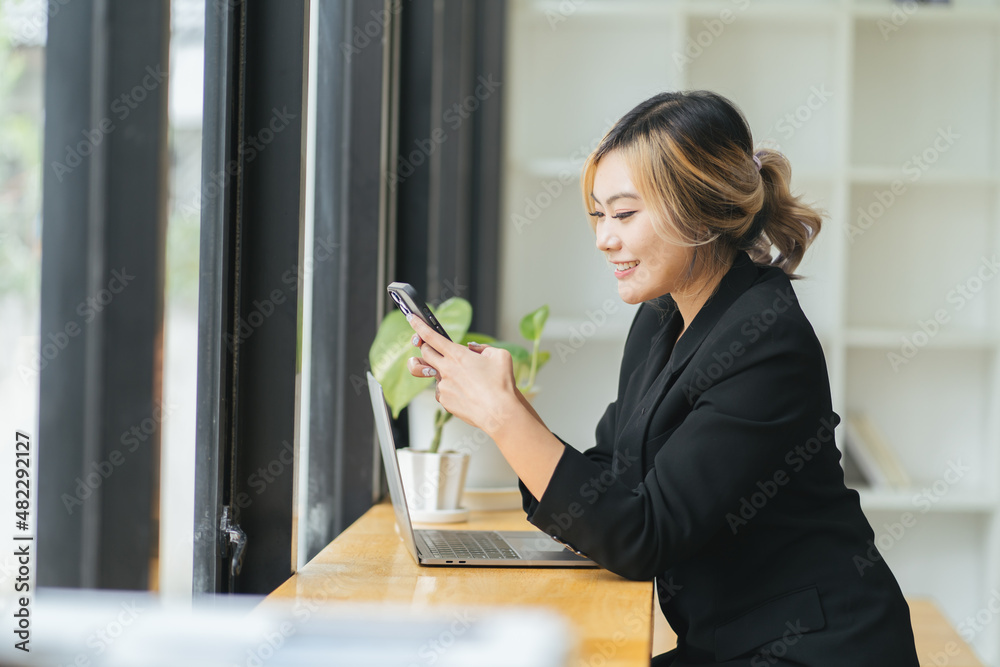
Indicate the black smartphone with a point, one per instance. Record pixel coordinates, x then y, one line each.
409 301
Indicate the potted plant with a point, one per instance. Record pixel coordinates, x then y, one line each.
441 448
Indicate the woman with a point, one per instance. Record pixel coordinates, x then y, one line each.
715 470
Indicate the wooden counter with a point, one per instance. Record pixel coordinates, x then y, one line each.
937 642
368 562
611 616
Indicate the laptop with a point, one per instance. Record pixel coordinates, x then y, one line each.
462 548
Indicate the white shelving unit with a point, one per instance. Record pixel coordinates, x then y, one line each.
863 96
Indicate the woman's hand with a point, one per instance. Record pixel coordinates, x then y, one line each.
475 383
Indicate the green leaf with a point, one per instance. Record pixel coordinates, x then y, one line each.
517 353
400 387
390 342
455 315
543 357
532 324
520 356
387 357
471 337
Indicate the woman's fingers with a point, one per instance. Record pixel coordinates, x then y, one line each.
430 343
427 335
419 368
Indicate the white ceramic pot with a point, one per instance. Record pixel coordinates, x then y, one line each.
433 481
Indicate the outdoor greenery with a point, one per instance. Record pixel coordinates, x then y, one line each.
20 171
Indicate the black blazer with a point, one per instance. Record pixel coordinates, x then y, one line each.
716 472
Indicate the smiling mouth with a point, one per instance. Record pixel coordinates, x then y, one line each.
624 266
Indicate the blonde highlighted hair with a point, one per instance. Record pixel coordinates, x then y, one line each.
691 157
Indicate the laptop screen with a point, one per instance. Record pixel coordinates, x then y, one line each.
383 426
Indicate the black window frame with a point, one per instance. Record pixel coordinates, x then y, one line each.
375 89
370 80
104 213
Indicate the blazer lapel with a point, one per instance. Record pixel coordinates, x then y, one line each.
737 280
659 346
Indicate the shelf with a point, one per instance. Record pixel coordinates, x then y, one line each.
888 114
892 339
797 10
898 16
566 329
791 10
543 228
556 166
548 168
934 269
931 409
579 63
796 113
912 500
887 175
948 65
781 10
565 9
570 168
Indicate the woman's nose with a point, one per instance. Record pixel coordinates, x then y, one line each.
606 239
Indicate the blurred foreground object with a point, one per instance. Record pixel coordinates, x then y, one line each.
96 629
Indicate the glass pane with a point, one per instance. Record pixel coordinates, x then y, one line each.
22 76
187 51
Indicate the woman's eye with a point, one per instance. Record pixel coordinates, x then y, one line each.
623 215
597 214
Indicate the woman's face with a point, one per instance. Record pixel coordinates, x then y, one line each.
645 265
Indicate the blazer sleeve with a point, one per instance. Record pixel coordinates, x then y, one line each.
737 432
602 453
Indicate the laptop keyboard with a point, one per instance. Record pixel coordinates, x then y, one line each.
461 545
